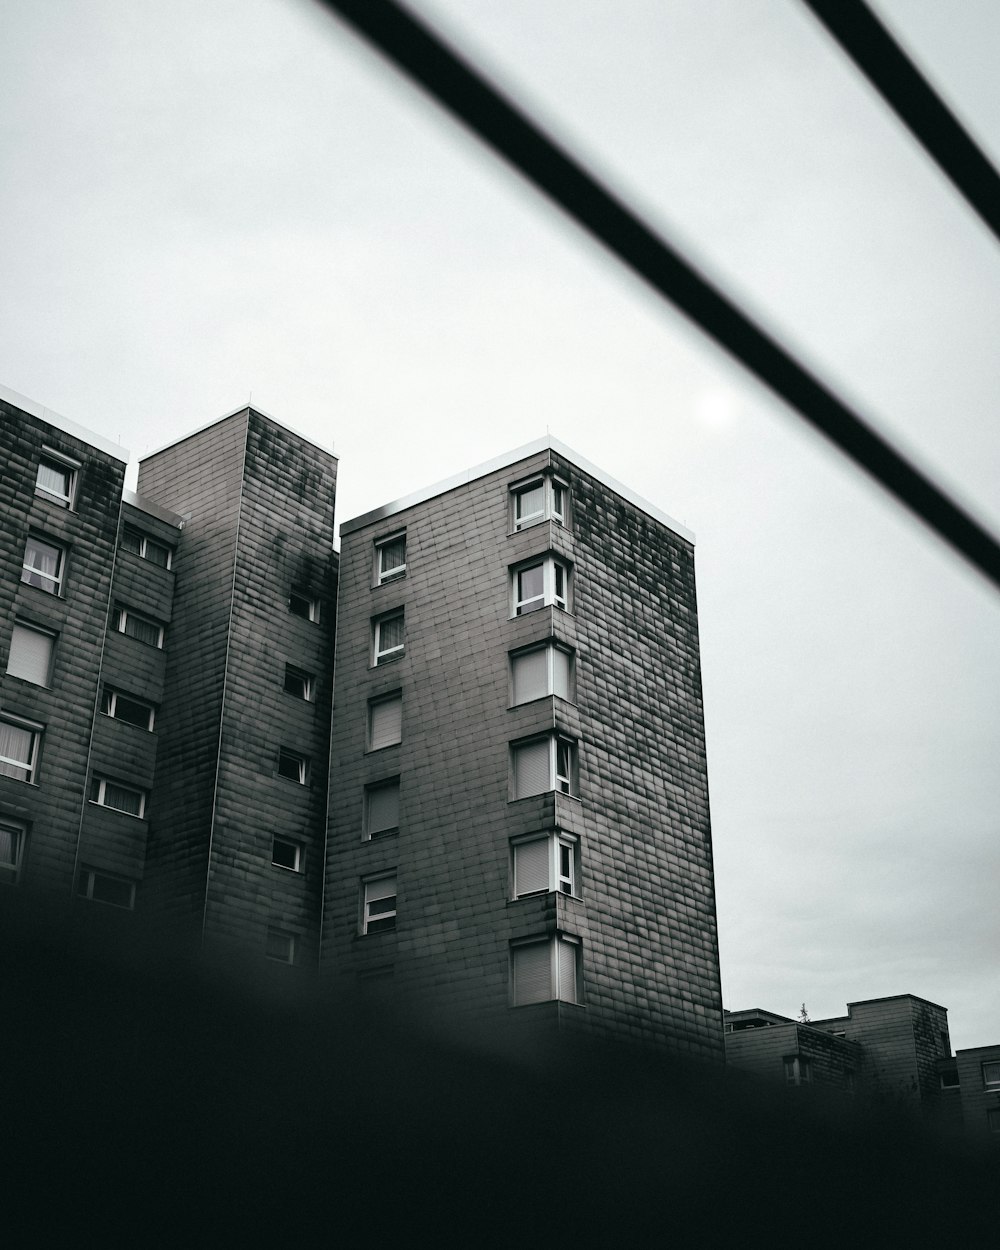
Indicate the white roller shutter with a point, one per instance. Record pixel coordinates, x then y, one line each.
560 672
387 723
531 676
532 973
383 808
531 867
567 952
30 655
532 769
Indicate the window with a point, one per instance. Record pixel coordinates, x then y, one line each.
544 864
19 742
385 722
797 1071
379 905
13 838
542 498
113 794
292 766
388 637
102 887
124 707
300 604
993 1119
43 565
949 1080
299 683
279 945
382 808
141 544
287 854
30 654
541 671
991 1075
542 971
141 628
545 583
56 478
544 764
390 558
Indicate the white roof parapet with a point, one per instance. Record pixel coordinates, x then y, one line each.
154 509
504 461
207 425
35 409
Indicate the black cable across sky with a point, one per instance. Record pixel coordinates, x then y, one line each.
413 47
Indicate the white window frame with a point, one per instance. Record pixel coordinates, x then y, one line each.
30 765
551 509
563 765
57 578
311 605
63 463
302 764
308 681
557 991
275 932
391 653
144 540
396 571
87 879
550 597
28 627
549 647
367 919
558 882
10 874
991 1074
119 621
102 783
298 857
109 706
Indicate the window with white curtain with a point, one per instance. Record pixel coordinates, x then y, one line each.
122 798
13 838
540 584
388 637
43 565
543 764
30 656
19 742
390 558
540 671
56 478
543 498
541 971
134 625
544 863
385 721
147 548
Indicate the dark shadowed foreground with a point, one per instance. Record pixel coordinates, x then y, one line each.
151 1102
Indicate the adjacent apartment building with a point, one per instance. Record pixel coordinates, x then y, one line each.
498 806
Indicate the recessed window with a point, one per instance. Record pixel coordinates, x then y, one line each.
124 707
797 1071
147 548
286 854
134 625
991 1075
540 671
293 766
390 558
544 864
30 656
378 905
44 565
542 498
56 479
993 1119
382 808
113 794
949 1080
543 764
545 970
279 945
388 637
13 838
19 743
299 683
300 603
543 583
103 887
385 721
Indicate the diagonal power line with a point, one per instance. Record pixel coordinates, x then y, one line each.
891 72
472 99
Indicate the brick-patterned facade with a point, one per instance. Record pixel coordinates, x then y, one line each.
641 916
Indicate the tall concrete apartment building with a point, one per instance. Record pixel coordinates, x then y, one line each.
506 814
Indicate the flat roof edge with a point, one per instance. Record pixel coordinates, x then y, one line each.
153 509
503 461
207 425
35 409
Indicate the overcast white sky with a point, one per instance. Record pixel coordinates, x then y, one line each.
205 199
